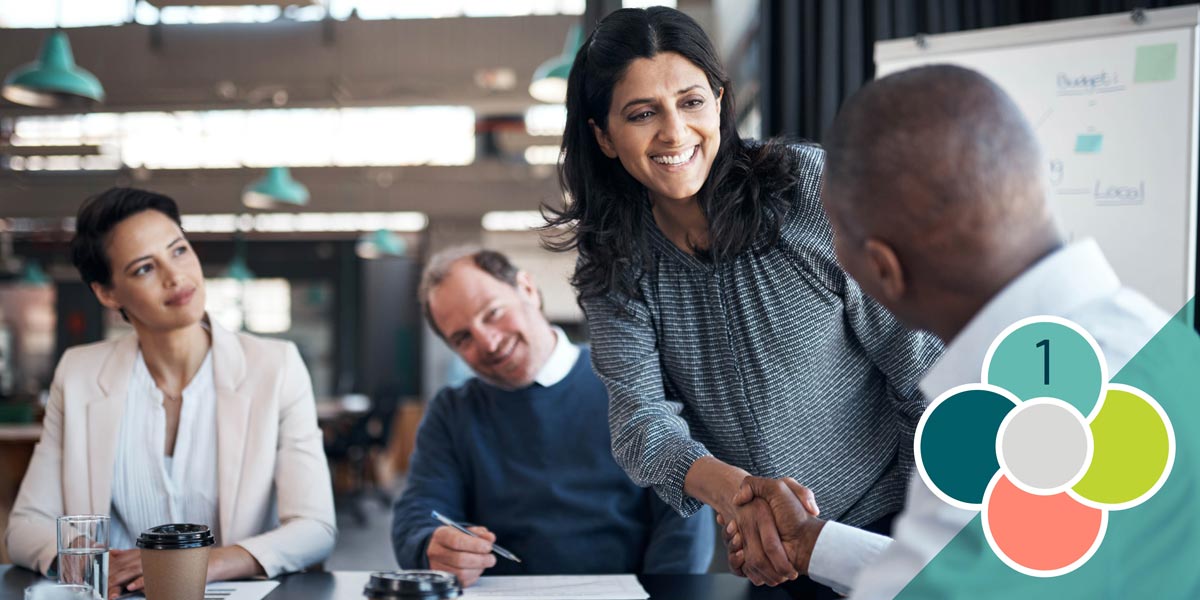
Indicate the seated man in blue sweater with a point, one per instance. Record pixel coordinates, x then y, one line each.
523 449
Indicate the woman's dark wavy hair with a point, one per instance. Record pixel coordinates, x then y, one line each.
603 218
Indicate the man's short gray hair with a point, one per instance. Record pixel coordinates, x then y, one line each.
489 261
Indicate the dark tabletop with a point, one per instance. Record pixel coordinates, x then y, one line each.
348 585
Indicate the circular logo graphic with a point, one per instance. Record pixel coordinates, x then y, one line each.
1045 446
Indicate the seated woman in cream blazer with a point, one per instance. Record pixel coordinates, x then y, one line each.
181 421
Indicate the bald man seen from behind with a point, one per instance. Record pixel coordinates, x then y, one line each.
934 186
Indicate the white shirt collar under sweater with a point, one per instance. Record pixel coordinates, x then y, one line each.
562 360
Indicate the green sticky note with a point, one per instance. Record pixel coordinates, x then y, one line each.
1088 142
1155 63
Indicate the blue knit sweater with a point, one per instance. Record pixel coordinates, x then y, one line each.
535 467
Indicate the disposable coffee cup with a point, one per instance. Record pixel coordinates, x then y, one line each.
412 585
175 561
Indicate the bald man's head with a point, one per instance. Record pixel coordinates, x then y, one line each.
937 166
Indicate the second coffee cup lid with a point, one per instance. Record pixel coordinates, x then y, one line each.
175 536
412 584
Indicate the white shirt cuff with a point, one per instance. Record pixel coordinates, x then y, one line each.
841 552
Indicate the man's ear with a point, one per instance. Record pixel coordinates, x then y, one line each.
888 272
105 296
527 290
605 142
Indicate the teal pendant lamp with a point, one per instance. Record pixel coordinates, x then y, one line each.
238 270
54 80
277 189
389 244
379 244
550 78
33 275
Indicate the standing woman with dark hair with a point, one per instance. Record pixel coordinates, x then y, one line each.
179 422
731 342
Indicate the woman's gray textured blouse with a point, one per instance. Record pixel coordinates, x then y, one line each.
774 361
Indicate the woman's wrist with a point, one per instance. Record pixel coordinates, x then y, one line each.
714 483
232 562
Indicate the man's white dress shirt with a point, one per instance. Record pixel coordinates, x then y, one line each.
1074 282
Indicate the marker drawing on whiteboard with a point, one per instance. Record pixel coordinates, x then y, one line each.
1120 195
1088 143
1088 83
1073 191
1056 171
1046 115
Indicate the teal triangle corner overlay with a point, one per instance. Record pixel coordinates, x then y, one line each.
1150 551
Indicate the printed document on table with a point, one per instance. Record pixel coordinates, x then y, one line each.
559 587
239 590
228 590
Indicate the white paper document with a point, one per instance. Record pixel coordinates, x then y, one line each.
239 590
559 587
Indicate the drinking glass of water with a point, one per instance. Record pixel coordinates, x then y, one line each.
83 552
58 592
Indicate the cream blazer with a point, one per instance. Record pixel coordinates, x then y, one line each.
274 495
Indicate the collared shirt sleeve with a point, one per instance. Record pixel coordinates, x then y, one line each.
840 554
921 531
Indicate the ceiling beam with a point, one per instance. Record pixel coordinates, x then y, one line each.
440 192
400 62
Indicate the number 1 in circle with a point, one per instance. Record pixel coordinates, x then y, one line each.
1045 361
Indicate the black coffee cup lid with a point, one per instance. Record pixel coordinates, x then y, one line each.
176 536
413 584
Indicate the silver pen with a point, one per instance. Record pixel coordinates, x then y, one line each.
495 547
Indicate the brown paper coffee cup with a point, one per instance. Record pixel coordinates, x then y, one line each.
175 561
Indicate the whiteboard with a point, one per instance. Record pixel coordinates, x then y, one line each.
1113 103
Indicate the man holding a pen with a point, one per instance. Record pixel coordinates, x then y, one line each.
522 451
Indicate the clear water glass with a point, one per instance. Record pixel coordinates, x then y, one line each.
55 591
83 553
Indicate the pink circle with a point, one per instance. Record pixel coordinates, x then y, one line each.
1042 533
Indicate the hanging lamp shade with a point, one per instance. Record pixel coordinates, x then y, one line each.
379 244
389 244
53 80
238 270
276 189
550 78
33 275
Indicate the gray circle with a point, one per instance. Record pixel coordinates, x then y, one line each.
1044 446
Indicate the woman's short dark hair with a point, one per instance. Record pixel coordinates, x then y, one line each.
604 214
97 218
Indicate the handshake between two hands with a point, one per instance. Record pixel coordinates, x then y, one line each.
770 530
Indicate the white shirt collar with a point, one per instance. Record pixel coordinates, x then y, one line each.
1058 284
562 360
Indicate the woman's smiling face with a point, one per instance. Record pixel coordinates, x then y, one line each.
664 125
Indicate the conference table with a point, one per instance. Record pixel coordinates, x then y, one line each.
348 585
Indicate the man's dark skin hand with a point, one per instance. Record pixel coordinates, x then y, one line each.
763 557
793 510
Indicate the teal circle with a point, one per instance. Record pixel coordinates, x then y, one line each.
958 443
1019 365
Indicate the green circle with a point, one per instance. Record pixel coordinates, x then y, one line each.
1132 450
1020 363
958 443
